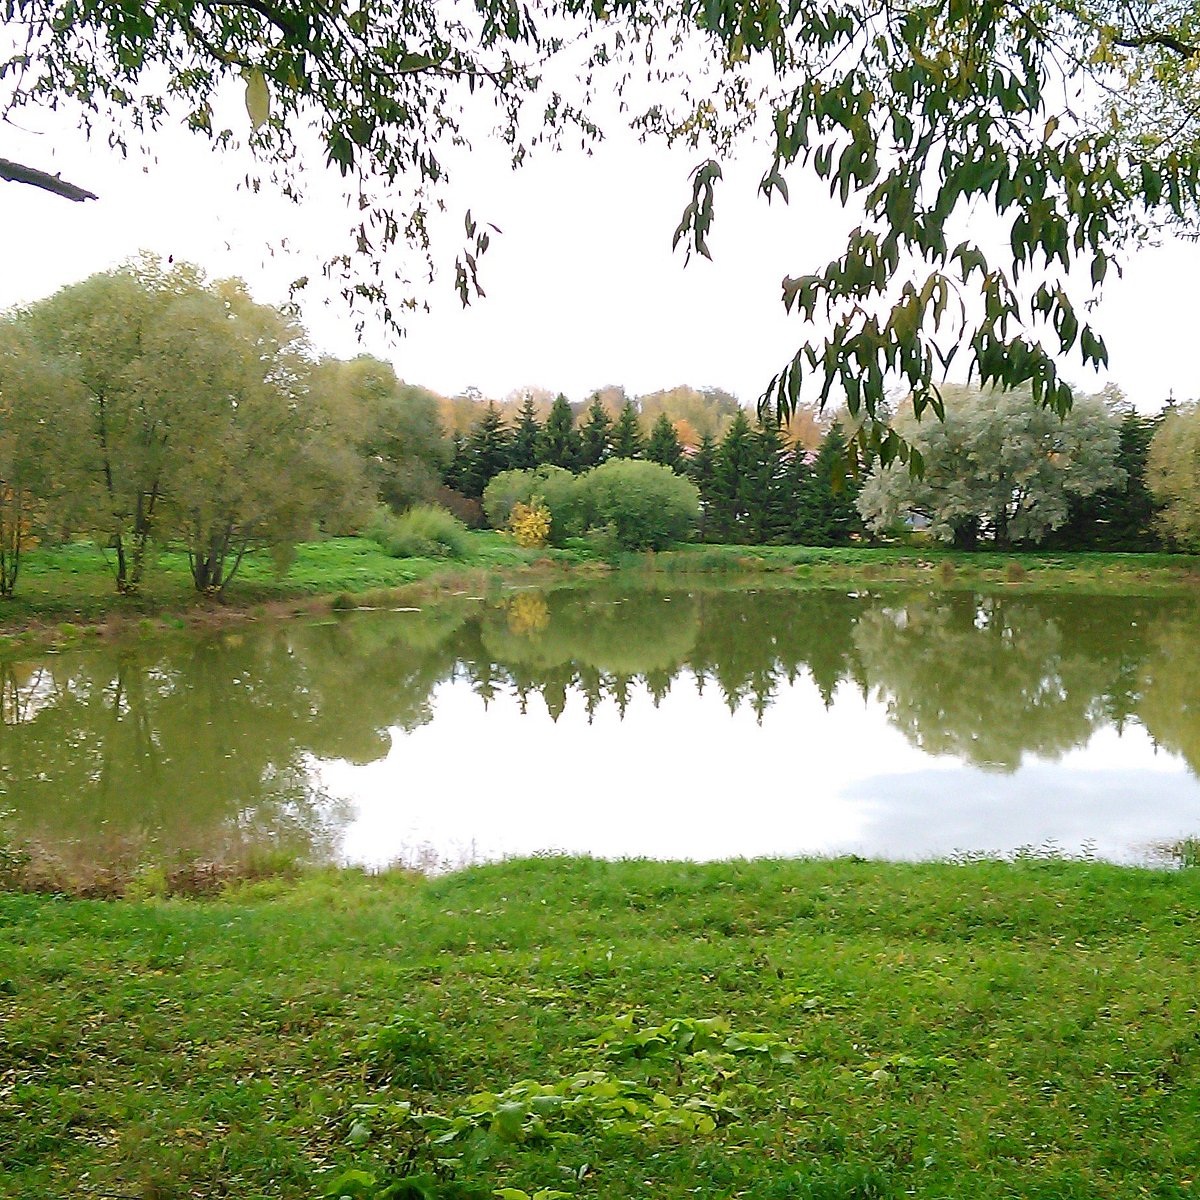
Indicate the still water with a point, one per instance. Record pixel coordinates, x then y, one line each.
621 719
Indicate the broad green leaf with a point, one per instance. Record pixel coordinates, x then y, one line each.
258 98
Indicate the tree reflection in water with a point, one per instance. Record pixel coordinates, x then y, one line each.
191 745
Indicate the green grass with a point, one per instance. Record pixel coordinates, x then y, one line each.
1002 1030
74 585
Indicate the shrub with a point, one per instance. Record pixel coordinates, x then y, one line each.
530 523
504 492
422 532
468 510
646 505
558 489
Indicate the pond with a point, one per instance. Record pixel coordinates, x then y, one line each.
621 719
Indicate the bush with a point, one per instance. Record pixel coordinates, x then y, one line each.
530 523
558 489
422 532
504 492
646 505
468 510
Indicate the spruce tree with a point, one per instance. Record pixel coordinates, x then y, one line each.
733 481
526 438
1122 517
560 441
764 520
836 518
453 473
487 452
627 440
702 470
595 435
664 446
797 499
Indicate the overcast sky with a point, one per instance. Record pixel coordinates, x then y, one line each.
583 286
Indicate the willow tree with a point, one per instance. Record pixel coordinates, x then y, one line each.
998 465
1173 473
243 474
172 408
113 422
32 426
1073 124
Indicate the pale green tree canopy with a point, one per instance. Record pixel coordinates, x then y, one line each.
999 465
171 407
1064 131
1173 473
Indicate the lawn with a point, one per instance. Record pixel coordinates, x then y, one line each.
766 1030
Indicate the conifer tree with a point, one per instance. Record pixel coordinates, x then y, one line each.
797 500
1121 517
764 519
487 452
453 474
664 446
627 440
702 470
733 481
595 435
836 518
527 437
560 440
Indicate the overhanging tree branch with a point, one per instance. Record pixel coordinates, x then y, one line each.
1166 41
16 172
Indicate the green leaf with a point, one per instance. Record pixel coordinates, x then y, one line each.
352 1183
258 98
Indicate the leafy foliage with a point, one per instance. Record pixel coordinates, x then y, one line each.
1122 516
381 429
177 412
1174 475
998 465
1072 126
424 531
530 523
556 488
646 505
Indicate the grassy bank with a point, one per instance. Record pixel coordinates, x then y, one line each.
71 589
768 1030
73 585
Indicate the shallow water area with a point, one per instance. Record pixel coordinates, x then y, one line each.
621 719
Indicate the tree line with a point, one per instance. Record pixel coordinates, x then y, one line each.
992 469
754 484
147 405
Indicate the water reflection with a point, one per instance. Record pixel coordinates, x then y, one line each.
581 717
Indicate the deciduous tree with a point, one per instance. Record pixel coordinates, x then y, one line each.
1074 124
1174 475
999 462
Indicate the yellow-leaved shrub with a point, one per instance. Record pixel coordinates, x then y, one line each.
530 523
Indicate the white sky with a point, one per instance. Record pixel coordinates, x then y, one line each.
583 287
